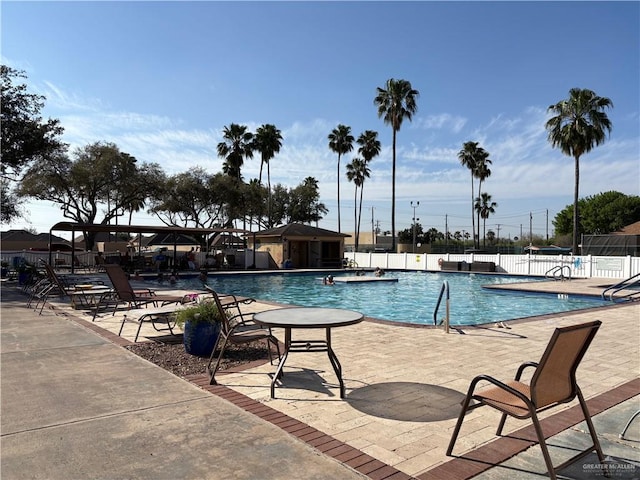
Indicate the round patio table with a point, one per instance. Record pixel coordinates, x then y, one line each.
308 318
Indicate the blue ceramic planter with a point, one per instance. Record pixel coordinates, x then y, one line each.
200 338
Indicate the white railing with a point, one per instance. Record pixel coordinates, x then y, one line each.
586 266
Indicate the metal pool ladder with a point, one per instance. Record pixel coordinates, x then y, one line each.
608 293
444 291
557 272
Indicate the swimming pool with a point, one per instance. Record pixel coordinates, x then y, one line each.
412 299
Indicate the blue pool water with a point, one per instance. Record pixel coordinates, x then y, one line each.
412 299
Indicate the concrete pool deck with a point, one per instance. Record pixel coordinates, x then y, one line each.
404 386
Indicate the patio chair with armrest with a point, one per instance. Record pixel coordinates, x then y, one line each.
553 383
237 328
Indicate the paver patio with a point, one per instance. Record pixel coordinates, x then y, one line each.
404 384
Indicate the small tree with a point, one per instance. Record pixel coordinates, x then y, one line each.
304 204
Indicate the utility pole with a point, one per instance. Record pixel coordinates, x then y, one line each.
373 233
498 229
446 232
414 206
547 225
530 229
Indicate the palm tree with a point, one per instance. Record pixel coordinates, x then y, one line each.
369 145
134 206
482 172
471 156
485 207
236 146
267 141
579 125
340 142
357 171
369 148
395 102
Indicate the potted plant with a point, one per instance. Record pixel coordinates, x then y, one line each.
25 272
201 326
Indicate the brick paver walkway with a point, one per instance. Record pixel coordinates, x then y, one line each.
405 384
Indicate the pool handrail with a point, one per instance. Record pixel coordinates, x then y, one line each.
443 290
557 272
624 284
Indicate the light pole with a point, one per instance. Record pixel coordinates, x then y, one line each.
414 206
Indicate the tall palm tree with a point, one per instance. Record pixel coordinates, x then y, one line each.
237 146
267 141
340 142
579 125
482 172
485 207
357 171
395 102
470 157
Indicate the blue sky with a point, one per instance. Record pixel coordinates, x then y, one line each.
162 79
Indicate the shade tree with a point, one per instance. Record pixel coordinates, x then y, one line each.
97 184
26 137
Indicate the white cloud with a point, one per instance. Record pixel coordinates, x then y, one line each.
442 121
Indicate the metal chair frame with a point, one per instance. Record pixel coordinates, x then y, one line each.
545 391
237 328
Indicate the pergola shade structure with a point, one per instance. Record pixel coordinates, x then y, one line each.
174 231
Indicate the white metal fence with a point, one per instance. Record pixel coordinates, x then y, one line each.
587 266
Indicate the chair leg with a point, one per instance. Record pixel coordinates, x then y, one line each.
592 430
124 319
212 373
138 332
543 445
503 419
463 412
595 446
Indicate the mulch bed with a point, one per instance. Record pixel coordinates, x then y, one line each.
171 356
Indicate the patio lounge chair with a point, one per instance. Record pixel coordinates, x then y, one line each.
553 383
237 328
78 291
125 294
164 315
